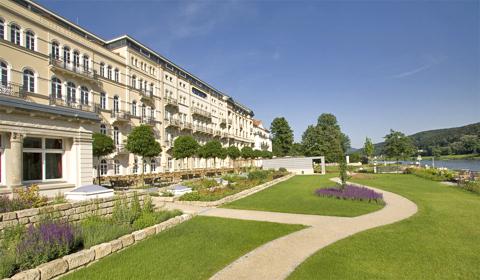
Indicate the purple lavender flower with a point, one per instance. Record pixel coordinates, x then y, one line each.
351 192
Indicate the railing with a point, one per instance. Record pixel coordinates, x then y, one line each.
187 125
172 122
73 105
200 129
147 120
224 135
217 133
200 112
148 94
223 121
13 90
170 101
60 63
121 115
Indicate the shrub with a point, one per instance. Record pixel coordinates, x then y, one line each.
258 175
121 212
135 208
31 196
97 230
282 169
9 205
148 206
434 174
351 192
46 241
192 196
7 263
472 186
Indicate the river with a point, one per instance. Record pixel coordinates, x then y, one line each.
455 164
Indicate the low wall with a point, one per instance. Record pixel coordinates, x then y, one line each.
70 212
236 196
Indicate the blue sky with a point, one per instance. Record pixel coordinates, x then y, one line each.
376 65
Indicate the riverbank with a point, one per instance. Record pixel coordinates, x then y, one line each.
454 157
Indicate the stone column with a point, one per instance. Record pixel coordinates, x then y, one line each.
15 160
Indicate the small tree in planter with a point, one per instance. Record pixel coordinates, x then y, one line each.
102 146
233 153
223 154
247 153
185 146
141 141
267 154
213 149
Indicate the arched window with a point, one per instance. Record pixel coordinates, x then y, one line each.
56 88
103 100
66 54
134 108
116 167
116 104
144 109
153 165
134 81
15 34
2 29
102 69
109 72
117 75
84 95
103 167
116 136
28 80
30 40
76 59
144 166
135 166
152 87
3 74
71 92
103 129
86 63
141 83
55 50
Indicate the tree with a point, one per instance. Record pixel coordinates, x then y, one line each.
368 148
258 153
247 153
296 150
141 141
436 151
213 149
282 137
102 145
185 146
398 146
471 144
267 154
233 153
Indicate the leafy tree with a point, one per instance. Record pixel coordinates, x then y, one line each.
233 153
102 146
296 150
247 153
258 153
282 137
436 151
343 172
355 157
213 149
185 146
398 146
141 141
368 148
471 143
267 154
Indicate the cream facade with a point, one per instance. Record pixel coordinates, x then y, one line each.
61 83
262 137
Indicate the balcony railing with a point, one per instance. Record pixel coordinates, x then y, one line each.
73 105
217 133
200 129
172 122
146 94
13 90
69 66
147 121
170 101
200 112
223 121
187 125
121 116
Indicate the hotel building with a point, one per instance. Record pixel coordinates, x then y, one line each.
60 83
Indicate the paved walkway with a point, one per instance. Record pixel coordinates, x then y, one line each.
278 258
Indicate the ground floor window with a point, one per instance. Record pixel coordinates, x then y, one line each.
116 167
169 163
135 166
144 166
103 167
42 159
153 165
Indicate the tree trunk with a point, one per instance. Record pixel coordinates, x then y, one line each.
98 171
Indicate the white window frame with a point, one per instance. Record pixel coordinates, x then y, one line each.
43 150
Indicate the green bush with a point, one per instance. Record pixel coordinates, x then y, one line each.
7 263
192 196
472 186
258 175
433 174
97 230
282 169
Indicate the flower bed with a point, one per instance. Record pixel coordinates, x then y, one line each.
24 248
351 192
24 199
434 174
211 190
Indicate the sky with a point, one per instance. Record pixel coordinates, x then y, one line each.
376 65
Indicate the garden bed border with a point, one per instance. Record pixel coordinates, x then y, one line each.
59 267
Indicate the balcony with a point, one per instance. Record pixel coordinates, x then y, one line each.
73 105
224 135
187 126
201 113
217 133
13 90
121 150
146 95
230 121
148 121
172 122
200 129
69 68
120 116
170 101
223 121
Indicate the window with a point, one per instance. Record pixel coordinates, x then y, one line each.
141 83
102 69
28 81
55 51
103 129
109 72
56 88
153 165
116 136
42 158
84 95
144 166
15 34
2 29
103 100
135 166
144 111
30 40
116 104
134 108
117 75
3 74
76 59
103 167
116 167
66 54
134 81
86 63
71 92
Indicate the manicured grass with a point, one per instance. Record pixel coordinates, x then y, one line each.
296 195
441 241
196 249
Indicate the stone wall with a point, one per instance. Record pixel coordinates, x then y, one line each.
71 212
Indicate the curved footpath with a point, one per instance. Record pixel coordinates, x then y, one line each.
278 258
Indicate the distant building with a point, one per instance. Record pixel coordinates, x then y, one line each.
263 140
296 165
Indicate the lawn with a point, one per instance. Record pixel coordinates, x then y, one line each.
296 195
441 241
196 249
